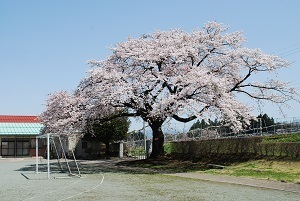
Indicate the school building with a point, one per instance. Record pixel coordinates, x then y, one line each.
18 136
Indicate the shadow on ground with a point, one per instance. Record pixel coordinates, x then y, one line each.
117 165
133 166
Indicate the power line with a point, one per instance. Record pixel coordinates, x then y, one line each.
290 52
287 51
285 48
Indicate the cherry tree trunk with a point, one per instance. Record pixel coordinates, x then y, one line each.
158 140
107 149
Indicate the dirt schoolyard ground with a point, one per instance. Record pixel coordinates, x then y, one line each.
104 180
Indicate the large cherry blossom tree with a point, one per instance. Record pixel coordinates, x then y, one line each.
184 76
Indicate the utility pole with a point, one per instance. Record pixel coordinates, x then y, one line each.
260 126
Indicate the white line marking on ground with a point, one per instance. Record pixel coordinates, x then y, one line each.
49 192
84 191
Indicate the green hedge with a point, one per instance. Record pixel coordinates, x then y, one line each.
251 146
283 149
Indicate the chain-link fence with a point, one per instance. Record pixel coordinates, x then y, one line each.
138 143
214 132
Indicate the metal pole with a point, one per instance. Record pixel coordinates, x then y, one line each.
56 151
48 154
145 139
64 153
260 126
36 154
121 147
75 162
274 126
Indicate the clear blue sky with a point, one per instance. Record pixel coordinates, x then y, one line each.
44 45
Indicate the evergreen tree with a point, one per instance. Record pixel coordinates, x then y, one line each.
108 132
203 124
264 122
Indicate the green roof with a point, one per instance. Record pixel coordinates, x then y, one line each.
20 128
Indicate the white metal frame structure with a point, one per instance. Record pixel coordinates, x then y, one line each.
49 137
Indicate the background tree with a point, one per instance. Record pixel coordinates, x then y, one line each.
203 124
107 132
136 136
267 123
262 121
68 114
63 114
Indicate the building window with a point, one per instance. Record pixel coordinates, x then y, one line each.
15 146
23 146
8 146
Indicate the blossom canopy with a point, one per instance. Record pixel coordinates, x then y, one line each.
180 75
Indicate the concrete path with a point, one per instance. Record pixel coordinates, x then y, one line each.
276 185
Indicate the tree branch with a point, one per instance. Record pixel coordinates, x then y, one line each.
188 119
210 51
240 82
191 118
122 114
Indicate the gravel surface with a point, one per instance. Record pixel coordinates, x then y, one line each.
101 180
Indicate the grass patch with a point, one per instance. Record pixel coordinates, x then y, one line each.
165 165
275 168
294 137
168 148
285 171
